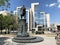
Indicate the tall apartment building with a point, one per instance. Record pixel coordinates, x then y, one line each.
48 20
33 5
45 19
16 16
42 19
30 18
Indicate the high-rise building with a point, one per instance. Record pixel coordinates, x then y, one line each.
16 16
30 20
31 16
17 13
48 20
33 5
44 20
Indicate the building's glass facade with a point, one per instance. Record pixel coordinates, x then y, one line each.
36 14
41 19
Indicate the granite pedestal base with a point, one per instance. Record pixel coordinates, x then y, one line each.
29 39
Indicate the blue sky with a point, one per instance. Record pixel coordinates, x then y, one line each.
49 6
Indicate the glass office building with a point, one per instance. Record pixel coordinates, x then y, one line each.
43 19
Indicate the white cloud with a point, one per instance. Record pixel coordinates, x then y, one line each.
54 4
58 1
59 6
51 5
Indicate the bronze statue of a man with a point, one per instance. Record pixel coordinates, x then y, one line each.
23 11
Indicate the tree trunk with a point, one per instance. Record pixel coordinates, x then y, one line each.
1 31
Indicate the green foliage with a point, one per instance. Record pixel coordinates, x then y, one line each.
2 2
1 22
7 22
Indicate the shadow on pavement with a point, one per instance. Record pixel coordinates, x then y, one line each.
2 39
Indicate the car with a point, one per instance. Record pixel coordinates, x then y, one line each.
39 32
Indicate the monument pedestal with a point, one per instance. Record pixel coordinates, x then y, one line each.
30 39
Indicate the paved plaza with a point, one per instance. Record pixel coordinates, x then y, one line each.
47 41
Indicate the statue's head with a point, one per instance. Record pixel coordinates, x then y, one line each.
23 7
23 11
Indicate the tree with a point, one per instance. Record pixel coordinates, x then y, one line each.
4 3
14 25
8 22
1 22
